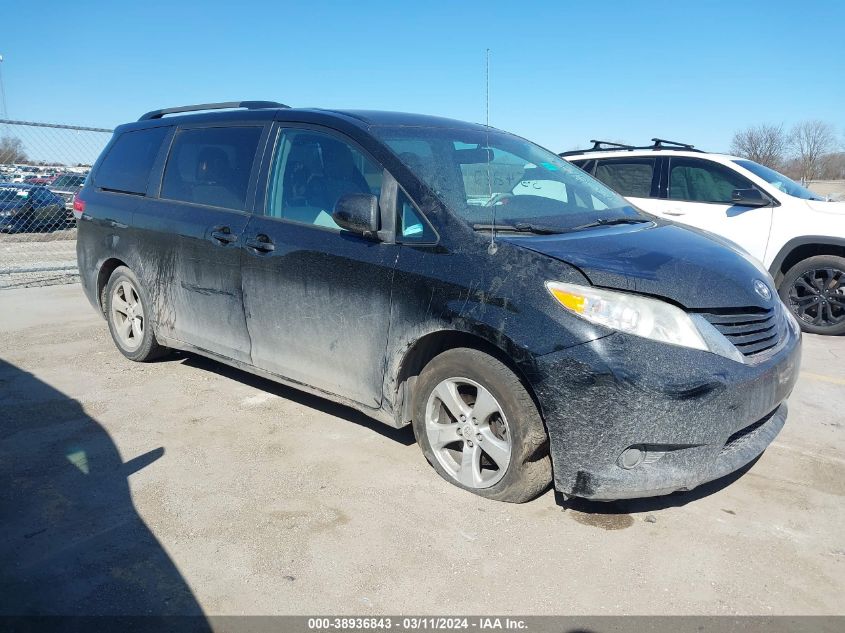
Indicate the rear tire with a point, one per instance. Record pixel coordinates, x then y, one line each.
128 311
814 291
499 448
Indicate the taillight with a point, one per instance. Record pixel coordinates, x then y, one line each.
78 207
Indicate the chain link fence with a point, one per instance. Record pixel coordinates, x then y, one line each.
42 167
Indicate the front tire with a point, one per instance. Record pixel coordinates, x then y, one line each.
479 428
814 291
128 312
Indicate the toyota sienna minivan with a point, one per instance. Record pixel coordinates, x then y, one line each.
530 324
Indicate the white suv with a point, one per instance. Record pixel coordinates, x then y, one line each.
797 235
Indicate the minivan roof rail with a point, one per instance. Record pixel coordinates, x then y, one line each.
249 105
657 143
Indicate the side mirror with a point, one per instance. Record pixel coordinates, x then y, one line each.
357 212
749 198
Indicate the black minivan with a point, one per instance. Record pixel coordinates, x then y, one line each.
529 323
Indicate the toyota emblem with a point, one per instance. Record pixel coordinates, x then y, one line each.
762 289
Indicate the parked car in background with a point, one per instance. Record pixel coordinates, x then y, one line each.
546 332
26 208
798 235
67 186
40 180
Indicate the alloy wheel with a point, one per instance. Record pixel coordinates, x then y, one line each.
127 314
817 297
468 432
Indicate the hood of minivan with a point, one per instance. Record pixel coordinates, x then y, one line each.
677 263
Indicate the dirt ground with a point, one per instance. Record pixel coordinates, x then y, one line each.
184 486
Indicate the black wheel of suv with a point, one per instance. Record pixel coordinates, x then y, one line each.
814 290
479 428
128 312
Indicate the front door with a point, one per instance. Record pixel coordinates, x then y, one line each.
317 298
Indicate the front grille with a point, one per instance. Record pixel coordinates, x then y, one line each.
751 330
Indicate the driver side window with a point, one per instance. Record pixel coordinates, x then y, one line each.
311 171
696 180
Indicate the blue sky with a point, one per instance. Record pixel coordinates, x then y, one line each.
561 72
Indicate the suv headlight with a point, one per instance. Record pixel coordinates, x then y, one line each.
634 314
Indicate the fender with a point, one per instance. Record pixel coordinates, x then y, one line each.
393 394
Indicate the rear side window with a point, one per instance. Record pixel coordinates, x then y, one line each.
126 167
211 166
698 180
628 176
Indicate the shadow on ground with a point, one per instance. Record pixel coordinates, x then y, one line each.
71 542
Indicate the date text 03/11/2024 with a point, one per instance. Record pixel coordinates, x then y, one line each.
429 623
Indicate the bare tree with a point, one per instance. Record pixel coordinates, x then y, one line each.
812 141
11 150
834 167
764 144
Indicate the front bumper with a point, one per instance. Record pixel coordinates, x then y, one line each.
690 416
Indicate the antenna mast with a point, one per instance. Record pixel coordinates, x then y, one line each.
492 248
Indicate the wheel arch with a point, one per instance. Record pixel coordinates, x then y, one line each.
800 248
421 350
103 275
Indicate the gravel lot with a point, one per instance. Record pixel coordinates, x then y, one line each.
38 259
184 486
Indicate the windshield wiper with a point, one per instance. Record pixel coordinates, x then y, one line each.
608 222
518 227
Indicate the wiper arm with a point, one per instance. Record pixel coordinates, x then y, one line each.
609 222
518 227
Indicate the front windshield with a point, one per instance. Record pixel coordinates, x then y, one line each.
778 181
476 172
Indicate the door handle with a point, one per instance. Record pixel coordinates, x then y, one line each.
260 243
675 213
223 235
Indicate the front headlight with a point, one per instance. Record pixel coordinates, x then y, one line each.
630 313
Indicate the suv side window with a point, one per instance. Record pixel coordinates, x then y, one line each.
311 171
126 168
627 176
211 166
697 180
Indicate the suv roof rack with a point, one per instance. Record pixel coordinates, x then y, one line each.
661 143
657 143
249 105
597 145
